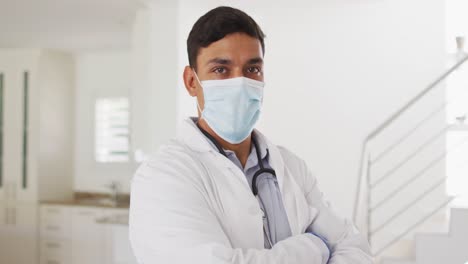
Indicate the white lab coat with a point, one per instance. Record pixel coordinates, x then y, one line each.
189 204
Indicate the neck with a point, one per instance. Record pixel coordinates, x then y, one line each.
242 149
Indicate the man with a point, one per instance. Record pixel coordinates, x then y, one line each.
221 192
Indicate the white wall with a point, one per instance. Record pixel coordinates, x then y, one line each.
455 12
98 74
155 76
334 71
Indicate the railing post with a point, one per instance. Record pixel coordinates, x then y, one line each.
368 199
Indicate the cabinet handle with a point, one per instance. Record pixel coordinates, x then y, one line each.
1 130
6 216
86 213
25 128
7 191
52 228
9 216
102 220
53 210
8 210
13 192
53 245
13 215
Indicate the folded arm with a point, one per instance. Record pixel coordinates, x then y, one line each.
346 244
171 221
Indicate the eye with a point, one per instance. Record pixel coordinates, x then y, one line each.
254 69
220 70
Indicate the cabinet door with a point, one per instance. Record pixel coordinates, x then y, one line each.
18 238
3 214
117 241
26 182
12 133
55 251
2 102
55 221
8 244
26 216
87 236
17 166
55 234
119 249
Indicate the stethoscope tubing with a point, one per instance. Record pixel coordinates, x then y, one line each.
257 150
257 173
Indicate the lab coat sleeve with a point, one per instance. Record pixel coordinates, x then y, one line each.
346 244
171 221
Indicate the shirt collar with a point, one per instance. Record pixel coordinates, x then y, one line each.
261 142
197 141
189 134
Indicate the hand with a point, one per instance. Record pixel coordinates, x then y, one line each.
320 242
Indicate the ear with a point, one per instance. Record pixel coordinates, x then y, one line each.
189 81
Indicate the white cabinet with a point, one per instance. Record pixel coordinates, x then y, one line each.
16 168
87 236
36 122
118 249
3 214
118 245
17 233
55 235
36 125
79 234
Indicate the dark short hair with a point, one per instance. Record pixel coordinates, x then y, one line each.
218 23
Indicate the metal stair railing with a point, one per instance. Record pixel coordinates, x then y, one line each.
363 209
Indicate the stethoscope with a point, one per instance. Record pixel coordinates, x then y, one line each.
257 173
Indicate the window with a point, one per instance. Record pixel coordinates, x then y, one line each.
112 130
457 99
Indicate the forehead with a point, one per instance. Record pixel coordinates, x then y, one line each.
238 47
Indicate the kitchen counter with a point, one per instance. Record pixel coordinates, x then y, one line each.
93 199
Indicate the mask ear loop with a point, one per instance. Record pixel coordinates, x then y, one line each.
198 80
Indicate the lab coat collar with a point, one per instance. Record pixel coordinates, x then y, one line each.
193 138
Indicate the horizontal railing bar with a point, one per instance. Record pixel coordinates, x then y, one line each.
392 118
410 132
416 98
459 127
409 205
416 176
420 222
410 156
406 183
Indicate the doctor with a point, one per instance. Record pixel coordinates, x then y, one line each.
221 192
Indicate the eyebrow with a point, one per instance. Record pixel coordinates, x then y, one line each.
256 60
219 61
224 61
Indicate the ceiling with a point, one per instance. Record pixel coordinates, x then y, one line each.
71 25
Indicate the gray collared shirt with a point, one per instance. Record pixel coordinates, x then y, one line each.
269 196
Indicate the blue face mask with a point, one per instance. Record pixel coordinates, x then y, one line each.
232 106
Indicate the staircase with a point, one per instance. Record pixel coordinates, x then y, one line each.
440 248
401 204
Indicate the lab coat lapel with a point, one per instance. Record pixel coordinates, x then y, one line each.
291 205
189 134
192 137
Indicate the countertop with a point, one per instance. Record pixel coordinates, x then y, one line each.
93 199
